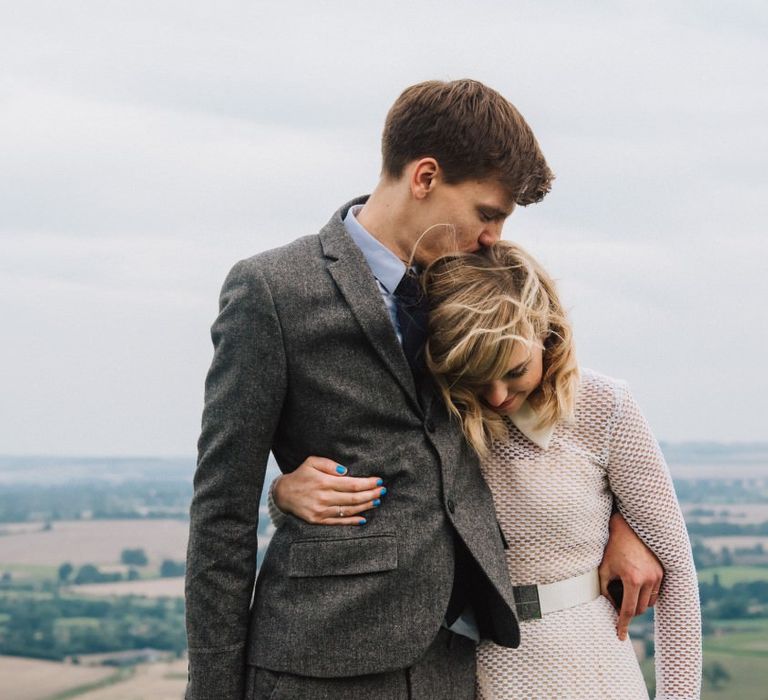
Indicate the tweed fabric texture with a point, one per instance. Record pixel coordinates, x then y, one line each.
446 671
554 507
306 362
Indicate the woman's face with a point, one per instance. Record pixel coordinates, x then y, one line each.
507 395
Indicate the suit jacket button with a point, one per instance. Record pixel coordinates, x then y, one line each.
451 505
430 425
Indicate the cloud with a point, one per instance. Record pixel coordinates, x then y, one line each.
147 146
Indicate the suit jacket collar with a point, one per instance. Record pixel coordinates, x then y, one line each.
349 269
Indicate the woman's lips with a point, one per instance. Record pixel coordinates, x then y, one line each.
504 406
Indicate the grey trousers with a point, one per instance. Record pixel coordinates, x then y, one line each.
446 671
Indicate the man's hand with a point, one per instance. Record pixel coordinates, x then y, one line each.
627 559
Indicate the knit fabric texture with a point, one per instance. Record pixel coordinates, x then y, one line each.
554 507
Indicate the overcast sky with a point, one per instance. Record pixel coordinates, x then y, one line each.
147 146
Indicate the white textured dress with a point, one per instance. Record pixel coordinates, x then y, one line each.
553 492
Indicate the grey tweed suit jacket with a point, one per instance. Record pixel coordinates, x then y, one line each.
306 361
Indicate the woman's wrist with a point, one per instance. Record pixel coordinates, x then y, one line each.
273 491
276 514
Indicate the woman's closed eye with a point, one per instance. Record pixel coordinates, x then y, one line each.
516 373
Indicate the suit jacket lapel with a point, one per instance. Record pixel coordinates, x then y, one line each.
353 277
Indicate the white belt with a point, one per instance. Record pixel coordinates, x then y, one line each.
531 602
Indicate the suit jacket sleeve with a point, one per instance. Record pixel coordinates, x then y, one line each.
244 392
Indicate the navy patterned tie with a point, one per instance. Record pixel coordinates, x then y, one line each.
412 316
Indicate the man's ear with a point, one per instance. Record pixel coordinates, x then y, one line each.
424 174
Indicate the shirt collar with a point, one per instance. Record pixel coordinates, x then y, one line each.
385 265
525 420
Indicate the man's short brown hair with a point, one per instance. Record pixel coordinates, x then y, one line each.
472 131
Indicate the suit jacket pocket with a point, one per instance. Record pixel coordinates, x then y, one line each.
343 556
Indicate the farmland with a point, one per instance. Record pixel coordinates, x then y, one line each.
94 541
729 575
158 681
131 602
155 588
740 651
31 679
744 513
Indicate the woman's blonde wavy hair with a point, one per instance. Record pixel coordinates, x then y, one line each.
482 305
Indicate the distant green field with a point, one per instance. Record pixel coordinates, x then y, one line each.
27 572
740 638
749 678
741 625
734 574
76 622
741 648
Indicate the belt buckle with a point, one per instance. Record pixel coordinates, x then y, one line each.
527 604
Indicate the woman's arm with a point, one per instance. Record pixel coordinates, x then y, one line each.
642 486
319 492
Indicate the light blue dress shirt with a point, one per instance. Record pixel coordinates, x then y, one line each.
387 268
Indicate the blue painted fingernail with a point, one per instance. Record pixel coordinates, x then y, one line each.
362 521
340 469
379 482
377 503
383 491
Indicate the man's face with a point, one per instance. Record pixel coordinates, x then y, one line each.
462 218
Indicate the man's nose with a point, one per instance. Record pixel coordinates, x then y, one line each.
489 236
495 393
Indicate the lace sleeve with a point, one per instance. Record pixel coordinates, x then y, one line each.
642 486
276 515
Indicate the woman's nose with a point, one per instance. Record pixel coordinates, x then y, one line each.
495 393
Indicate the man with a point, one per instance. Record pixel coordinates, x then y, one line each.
315 354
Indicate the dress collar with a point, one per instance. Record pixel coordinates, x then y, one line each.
525 419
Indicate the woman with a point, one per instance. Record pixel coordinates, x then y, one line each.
559 448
